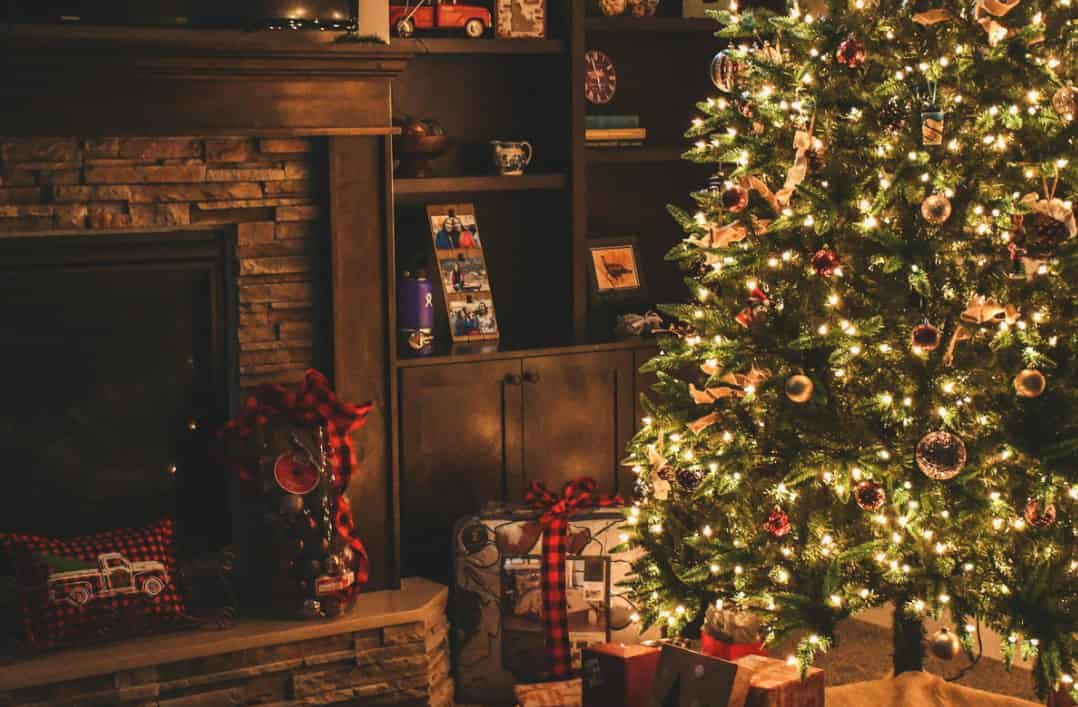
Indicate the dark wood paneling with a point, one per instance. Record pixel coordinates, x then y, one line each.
578 413
460 438
361 355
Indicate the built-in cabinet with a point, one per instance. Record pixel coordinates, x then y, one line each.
472 433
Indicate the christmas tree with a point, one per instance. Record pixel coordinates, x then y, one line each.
872 397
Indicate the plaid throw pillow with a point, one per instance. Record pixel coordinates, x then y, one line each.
116 583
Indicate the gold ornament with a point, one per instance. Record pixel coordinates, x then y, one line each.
936 209
1030 383
925 337
945 645
940 455
799 388
1065 101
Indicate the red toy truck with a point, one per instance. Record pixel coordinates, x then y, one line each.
439 14
114 575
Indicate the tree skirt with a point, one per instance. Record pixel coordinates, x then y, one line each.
916 690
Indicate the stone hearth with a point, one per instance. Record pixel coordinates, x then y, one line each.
392 649
267 188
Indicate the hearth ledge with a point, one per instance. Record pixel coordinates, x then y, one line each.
413 616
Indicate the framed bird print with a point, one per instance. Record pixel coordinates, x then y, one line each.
615 268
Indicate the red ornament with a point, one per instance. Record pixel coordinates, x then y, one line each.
825 262
851 53
735 198
1040 518
870 496
777 523
758 305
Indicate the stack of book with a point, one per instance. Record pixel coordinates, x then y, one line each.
614 131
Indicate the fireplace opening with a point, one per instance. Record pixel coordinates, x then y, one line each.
120 361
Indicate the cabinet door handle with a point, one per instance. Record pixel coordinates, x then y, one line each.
530 377
511 379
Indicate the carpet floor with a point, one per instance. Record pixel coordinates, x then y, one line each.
863 652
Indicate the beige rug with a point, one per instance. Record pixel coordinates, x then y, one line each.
917 690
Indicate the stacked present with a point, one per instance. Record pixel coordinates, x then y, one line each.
667 674
533 586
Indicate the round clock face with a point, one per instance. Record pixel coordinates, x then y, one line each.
600 77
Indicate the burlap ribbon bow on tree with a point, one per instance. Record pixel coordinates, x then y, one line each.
577 495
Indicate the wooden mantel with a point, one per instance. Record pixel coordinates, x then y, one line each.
119 81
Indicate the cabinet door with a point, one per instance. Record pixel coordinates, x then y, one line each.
578 419
460 438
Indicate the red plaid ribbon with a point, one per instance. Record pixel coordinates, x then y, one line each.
313 402
577 495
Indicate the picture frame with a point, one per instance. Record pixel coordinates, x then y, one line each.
462 272
614 269
520 19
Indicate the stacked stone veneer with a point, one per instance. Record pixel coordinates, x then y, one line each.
406 664
266 188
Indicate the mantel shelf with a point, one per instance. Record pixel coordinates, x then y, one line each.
444 185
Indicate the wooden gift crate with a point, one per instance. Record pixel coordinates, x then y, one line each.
775 683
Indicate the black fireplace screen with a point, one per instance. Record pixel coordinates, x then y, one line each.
119 366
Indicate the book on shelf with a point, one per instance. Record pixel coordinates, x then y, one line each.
604 134
611 122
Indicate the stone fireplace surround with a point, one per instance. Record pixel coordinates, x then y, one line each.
284 138
266 188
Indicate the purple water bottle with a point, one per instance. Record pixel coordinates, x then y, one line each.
415 314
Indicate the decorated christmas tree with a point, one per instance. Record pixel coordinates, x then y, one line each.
872 398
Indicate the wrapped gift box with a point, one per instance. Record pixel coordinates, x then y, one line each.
497 605
687 678
776 683
619 674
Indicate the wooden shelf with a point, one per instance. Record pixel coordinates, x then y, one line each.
635 155
661 25
452 45
445 185
496 350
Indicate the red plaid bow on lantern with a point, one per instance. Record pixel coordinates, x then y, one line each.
313 402
577 495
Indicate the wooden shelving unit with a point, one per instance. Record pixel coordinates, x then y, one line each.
555 397
635 155
456 45
491 183
664 25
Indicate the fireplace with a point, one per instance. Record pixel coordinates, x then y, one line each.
121 357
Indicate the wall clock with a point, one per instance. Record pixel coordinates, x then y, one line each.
600 77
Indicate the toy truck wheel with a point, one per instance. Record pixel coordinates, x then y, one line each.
79 594
474 28
405 28
153 586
